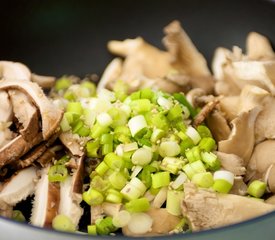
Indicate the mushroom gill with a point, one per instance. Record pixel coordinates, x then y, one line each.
206 209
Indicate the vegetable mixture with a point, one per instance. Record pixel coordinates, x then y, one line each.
159 146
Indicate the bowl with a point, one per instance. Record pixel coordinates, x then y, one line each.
70 37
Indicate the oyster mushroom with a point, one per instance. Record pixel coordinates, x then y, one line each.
6 112
186 58
241 140
262 158
5 210
206 209
239 187
43 81
232 163
270 178
19 186
14 70
271 200
163 223
97 212
73 142
46 201
218 125
258 47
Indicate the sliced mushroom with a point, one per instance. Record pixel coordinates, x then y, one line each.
26 114
232 163
6 112
96 213
50 115
163 223
194 94
228 106
19 187
261 159
111 209
73 142
186 58
264 126
46 201
271 200
241 140
14 71
16 148
258 73
43 81
218 126
270 178
206 209
258 47
69 203
110 75
239 187
5 210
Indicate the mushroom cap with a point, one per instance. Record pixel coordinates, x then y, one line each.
14 70
5 108
206 209
50 115
241 140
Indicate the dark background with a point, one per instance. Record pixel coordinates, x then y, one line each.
69 37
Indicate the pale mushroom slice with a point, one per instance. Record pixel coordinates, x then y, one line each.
239 187
50 115
271 200
6 112
5 210
262 158
258 47
110 75
229 106
70 202
218 125
185 57
46 201
73 142
43 81
206 209
264 126
270 178
232 163
163 223
14 70
19 186
258 73
26 114
6 135
241 140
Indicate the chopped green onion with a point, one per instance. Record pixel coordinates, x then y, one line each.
160 179
157 135
207 144
92 148
181 99
211 160
130 147
121 90
63 160
140 106
161 196
134 189
175 113
193 154
137 124
104 119
93 197
142 156
117 180
74 107
171 164
114 161
204 131
97 130
105 226
114 196
191 169
57 173
256 188
223 181
121 219
62 83
193 134
90 86
160 121
138 205
204 180
18 216
164 102
146 93
179 181
99 184
169 149
173 202
92 229
63 223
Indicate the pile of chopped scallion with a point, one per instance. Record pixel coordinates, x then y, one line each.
148 150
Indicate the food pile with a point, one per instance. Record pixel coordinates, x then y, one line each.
159 146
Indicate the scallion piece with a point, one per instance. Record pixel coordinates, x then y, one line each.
169 149
181 99
113 196
204 180
63 223
91 229
57 173
207 144
117 180
114 161
142 156
105 226
62 83
74 107
160 179
223 181
93 197
137 124
18 216
256 188
173 202
92 148
138 205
